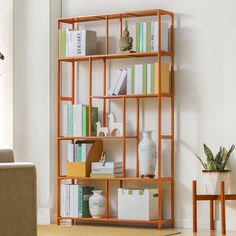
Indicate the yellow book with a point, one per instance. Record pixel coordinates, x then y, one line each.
165 78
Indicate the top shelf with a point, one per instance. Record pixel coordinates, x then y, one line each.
113 16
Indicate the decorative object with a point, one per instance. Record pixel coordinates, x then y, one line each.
101 131
126 42
114 127
103 158
1 56
214 169
147 155
97 204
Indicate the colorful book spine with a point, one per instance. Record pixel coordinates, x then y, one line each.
85 121
94 120
141 36
153 76
137 37
62 42
148 36
144 78
84 193
133 79
70 120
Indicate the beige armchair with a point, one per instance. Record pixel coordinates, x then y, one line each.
18 206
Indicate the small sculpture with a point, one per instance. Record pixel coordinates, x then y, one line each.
103 158
101 131
126 42
1 56
114 126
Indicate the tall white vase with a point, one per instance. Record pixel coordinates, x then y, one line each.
147 155
97 204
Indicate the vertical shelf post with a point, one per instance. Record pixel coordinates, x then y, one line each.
107 35
90 95
121 26
159 123
107 198
104 92
124 137
172 122
137 139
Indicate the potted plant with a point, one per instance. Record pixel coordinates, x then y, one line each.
214 169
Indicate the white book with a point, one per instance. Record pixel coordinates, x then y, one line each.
129 81
144 36
74 200
152 36
85 150
138 79
65 120
115 81
65 200
77 43
121 85
107 170
136 69
149 78
164 38
67 42
70 157
111 164
77 120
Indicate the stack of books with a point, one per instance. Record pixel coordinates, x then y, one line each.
141 79
108 170
78 152
147 36
76 120
74 201
75 43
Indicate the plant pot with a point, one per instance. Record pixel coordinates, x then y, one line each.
97 204
212 180
147 155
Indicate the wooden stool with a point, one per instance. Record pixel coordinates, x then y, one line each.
211 198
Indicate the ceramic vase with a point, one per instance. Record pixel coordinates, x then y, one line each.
97 204
212 180
147 155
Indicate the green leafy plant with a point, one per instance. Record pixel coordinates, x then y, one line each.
217 162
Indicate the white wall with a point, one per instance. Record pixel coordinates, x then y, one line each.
204 96
32 95
6 74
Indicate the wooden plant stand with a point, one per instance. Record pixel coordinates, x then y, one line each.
222 197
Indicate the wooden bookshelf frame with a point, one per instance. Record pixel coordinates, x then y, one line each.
160 222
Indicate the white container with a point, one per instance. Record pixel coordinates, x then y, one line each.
97 204
137 204
213 179
147 155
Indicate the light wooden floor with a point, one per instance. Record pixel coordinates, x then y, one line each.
87 230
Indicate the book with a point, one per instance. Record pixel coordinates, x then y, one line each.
77 120
110 164
107 170
129 81
65 200
133 79
74 200
105 175
70 120
138 79
144 79
137 37
94 120
148 36
79 152
62 43
65 120
115 81
70 157
141 36
121 84
84 193
165 78
85 148
85 121
144 32
153 76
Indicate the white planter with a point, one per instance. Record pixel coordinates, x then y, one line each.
147 155
97 204
212 180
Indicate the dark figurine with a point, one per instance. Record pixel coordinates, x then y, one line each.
126 42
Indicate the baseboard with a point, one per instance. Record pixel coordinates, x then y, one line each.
46 216
204 224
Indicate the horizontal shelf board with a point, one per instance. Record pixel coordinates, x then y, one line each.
97 138
65 98
164 179
131 96
166 136
114 56
113 16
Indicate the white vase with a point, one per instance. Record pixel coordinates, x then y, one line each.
97 204
147 155
212 181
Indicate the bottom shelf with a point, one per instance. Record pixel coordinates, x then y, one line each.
114 220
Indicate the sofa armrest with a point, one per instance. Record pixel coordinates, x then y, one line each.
18 203
6 155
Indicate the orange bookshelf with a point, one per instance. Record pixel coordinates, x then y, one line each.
160 179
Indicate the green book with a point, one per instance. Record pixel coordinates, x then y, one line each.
70 120
85 121
84 193
79 153
137 37
94 120
132 79
148 36
153 76
105 175
62 43
144 78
